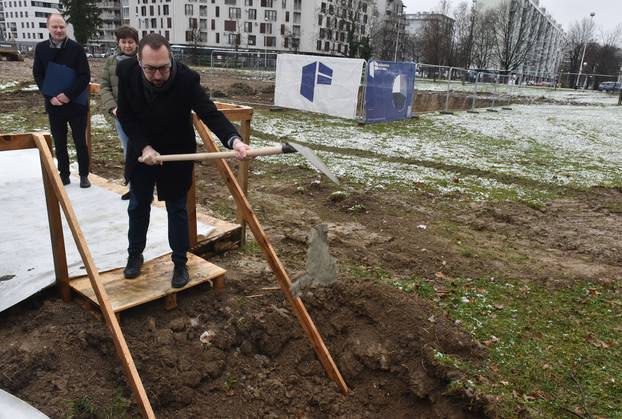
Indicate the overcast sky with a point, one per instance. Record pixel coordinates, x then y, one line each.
608 12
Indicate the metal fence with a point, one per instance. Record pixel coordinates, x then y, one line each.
458 88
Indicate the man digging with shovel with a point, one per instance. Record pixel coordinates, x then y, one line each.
156 98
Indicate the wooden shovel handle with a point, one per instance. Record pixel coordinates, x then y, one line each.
253 152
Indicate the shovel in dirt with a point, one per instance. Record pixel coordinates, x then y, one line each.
284 148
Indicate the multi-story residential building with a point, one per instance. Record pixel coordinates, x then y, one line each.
110 15
308 26
416 22
26 21
542 38
2 23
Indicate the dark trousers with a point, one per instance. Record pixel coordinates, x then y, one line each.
75 116
139 210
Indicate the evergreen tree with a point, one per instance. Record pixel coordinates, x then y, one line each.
84 16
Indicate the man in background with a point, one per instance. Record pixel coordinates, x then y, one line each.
62 73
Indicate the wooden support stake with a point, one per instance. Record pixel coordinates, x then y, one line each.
275 264
245 132
56 232
102 297
170 301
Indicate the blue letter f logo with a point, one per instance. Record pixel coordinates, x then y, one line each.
324 75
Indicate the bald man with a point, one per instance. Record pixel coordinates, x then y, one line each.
66 105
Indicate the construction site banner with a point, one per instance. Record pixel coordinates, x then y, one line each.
390 90
318 84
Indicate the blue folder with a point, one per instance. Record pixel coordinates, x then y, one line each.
58 78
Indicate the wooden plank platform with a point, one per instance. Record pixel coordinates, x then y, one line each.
225 236
153 283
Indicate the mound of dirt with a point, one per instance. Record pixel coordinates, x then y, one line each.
241 89
242 353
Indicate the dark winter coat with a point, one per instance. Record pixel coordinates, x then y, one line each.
70 54
166 123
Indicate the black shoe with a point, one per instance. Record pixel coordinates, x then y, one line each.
180 276
84 182
125 196
132 269
65 179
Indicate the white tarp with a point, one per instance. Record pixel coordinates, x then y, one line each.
26 263
13 408
318 84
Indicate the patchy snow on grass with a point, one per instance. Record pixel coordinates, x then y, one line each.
30 88
98 121
521 154
7 85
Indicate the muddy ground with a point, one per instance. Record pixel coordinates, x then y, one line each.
258 362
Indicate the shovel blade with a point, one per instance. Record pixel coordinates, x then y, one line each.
315 161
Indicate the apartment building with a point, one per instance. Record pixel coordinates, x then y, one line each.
308 26
110 15
25 21
416 22
545 37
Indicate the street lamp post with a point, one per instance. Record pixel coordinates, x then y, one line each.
584 48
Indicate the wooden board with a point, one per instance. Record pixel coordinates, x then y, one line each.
153 283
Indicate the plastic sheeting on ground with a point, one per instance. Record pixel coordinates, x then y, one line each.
13 408
26 263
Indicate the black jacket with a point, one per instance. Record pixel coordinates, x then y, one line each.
166 123
70 54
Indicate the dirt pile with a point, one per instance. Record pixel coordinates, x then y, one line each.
243 354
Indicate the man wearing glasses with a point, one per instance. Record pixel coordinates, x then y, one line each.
156 97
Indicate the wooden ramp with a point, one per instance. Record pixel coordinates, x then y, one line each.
153 283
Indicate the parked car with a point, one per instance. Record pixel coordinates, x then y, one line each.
610 86
89 55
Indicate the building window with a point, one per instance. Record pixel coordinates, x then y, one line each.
296 18
267 3
203 10
154 22
233 38
270 15
251 40
213 24
230 2
269 41
252 14
235 13
203 24
217 11
286 16
248 27
265 28
189 9
320 18
169 22
248 3
167 35
165 9
217 38
284 6
297 4
230 25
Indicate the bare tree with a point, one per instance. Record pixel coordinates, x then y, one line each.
463 35
579 35
517 26
483 38
437 36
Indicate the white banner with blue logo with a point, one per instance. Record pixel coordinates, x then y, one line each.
390 90
318 84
